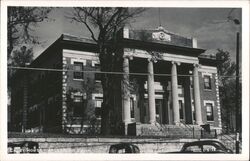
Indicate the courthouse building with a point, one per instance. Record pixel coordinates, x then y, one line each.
176 84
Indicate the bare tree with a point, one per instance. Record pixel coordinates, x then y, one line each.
103 25
20 23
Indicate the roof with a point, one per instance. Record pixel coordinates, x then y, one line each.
163 47
209 54
65 41
137 43
177 45
68 37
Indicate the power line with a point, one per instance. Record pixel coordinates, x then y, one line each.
102 72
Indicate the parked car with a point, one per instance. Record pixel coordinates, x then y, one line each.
23 147
124 148
204 146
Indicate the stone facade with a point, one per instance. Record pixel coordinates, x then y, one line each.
177 84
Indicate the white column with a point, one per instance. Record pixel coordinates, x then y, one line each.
126 94
174 85
197 100
151 92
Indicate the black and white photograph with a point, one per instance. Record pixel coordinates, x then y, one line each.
163 80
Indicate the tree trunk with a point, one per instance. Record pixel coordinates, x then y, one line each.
105 79
110 62
105 115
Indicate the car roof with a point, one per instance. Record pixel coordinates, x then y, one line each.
120 145
202 142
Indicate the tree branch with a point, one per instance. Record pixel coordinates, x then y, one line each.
82 18
112 18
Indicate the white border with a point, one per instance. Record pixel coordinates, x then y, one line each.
127 3
245 79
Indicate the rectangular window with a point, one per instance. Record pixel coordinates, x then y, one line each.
97 65
98 105
132 107
145 107
98 77
193 111
191 78
78 107
158 110
207 82
157 106
78 68
191 82
181 110
210 115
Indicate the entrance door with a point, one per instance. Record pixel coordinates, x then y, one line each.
182 111
158 110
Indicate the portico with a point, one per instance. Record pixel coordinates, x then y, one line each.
172 74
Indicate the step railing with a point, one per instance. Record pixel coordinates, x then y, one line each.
190 129
229 140
179 131
186 131
227 136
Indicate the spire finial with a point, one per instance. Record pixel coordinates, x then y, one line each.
159 14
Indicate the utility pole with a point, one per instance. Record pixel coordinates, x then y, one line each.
237 93
237 110
237 106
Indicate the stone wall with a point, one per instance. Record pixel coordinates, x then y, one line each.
171 131
101 145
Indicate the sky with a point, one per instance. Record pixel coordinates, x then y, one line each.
208 25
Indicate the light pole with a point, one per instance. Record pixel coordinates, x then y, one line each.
237 107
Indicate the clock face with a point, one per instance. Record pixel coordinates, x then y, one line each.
161 36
